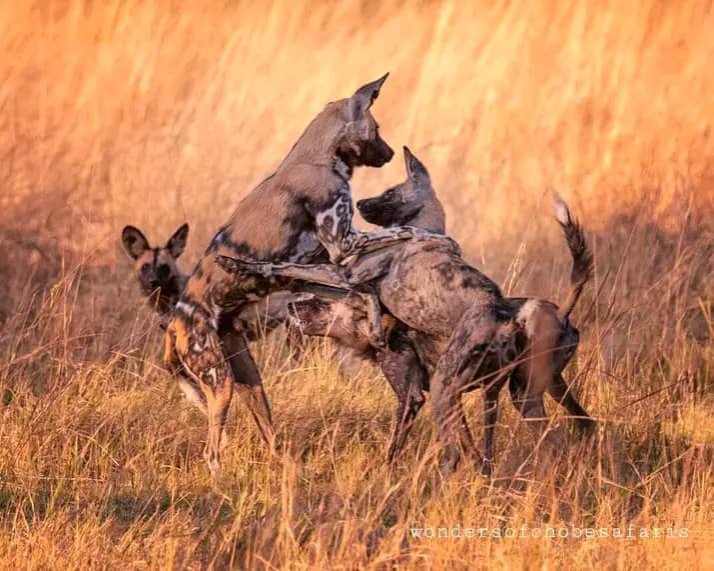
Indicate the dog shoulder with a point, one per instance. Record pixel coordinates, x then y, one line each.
317 186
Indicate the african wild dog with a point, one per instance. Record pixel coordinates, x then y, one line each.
301 213
550 338
465 332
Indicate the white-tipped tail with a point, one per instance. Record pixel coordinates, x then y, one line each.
562 212
579 251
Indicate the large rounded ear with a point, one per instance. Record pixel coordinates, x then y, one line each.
135 243
365 96
177 242
415 169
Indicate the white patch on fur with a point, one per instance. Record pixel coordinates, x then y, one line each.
215 314
192 393
333 237
331 212
186 308
307 244
525 315
342 169
562 212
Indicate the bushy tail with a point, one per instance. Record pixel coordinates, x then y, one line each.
581 254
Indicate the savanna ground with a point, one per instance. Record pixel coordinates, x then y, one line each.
155 113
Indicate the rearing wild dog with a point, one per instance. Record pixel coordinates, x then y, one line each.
301 213
465 332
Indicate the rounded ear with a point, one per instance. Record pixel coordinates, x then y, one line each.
415 168
134 242
365 96
177 242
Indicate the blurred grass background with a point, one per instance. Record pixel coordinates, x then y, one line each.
155 113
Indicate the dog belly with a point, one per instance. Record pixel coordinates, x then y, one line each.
422 302
427 292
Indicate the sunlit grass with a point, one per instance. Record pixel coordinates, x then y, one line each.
156 113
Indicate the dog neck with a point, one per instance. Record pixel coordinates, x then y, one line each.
169 294
319 143
430 216
342 169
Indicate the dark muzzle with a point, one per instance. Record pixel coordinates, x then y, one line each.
376 211
377 153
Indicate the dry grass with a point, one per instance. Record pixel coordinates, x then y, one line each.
153 113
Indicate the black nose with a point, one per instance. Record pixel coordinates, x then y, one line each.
154 284
360 203
163 273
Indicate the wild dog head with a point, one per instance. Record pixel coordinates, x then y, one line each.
156 268
345 320
360 143
411 203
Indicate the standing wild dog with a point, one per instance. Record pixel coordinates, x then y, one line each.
465 331
301 213
549 338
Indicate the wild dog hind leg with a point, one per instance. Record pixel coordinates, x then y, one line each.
248 383
475 351
408 378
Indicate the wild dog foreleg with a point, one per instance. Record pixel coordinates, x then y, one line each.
248 384
364 270
195 347
342 241
408 377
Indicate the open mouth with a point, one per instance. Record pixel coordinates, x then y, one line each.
302 312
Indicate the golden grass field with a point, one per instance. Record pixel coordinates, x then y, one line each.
155 113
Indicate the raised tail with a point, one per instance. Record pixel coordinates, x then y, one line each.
580 252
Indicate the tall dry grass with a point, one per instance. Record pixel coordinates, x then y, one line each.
153 113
